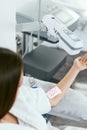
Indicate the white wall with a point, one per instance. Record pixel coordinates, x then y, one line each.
7 24
27 7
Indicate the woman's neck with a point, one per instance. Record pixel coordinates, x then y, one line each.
9 118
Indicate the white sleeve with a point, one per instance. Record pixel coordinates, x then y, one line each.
42 102
36 97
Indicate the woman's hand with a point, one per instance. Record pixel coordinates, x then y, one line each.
80 63
84 59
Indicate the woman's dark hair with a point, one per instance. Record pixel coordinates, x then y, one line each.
10 71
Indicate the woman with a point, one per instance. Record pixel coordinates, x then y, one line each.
13 106
11 68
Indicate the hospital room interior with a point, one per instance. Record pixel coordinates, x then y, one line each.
48 35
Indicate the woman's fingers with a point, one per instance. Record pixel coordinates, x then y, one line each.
84 58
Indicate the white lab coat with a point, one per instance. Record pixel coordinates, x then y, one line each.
9 126
29 107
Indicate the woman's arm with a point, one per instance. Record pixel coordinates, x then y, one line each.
78 65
